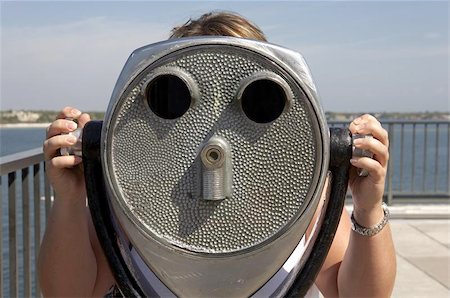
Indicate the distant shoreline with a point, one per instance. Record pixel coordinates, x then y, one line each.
24 125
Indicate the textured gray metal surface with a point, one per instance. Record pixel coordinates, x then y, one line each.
151 164
155 159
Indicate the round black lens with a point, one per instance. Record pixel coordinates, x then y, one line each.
263 101
168 96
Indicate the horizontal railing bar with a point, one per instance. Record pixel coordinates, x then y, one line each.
422 194
394 121
396 195
18 161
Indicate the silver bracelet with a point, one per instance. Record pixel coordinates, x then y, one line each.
373 230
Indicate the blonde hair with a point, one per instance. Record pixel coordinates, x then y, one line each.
219 24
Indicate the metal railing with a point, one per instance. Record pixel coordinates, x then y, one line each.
419 163
418 172
25 201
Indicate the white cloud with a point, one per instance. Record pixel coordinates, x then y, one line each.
73 63
48 67
432 35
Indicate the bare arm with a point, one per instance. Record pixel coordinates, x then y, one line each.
70 261
362 266
67 264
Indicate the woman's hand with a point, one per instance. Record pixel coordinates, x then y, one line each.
367 192
65 172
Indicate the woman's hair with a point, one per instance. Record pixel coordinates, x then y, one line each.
219 24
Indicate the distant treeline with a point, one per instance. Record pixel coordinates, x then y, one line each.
29 116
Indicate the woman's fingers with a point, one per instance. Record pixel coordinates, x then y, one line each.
64 122
378 145
380 151
83 119
68 112
52 145
62 162
60 126
58 137
367 124
376 172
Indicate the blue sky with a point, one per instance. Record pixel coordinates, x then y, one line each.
366 56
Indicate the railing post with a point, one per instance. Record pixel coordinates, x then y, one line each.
37 223
26 232
425 151
448 158
13 277
402 143
413 161
436 159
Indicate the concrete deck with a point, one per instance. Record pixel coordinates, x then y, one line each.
423 257
422 240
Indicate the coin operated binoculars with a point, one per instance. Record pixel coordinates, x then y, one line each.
207 176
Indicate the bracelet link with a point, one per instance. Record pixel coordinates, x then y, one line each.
372 231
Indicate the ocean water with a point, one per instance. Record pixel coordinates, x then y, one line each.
13 140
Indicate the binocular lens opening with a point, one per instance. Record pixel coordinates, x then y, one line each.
168 96
263 101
